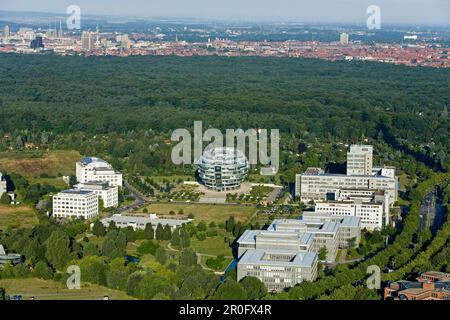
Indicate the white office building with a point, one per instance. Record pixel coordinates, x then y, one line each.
108 194
316 185
95 169
140 221
75 203
359 160
371 213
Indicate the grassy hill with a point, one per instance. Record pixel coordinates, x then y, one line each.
17 216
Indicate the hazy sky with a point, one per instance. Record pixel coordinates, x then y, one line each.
392 11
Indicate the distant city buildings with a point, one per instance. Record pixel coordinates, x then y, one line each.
37 43
6 31
88 40
287 253
91 169
75 203
344 39
430 285
364 191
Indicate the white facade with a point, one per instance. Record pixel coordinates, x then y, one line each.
109 194
344 38
2 185
75 203
359 160
95 169
318 187
371 213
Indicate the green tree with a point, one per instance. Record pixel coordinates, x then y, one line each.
176 239
188 258
159 232
90 249
160 255
43 271
254 288
5 199
323 253
230 290
58 252
149 233
98 229
167 233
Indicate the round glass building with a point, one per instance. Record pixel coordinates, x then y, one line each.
223 169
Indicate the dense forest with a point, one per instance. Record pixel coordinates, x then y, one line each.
306 99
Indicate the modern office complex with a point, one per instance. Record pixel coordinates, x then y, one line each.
95 169
287 252
2 185
223 169
75 203
278 269
365 191
139 222
108 194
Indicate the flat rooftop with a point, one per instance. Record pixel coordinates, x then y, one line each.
76 191
123 219
297 259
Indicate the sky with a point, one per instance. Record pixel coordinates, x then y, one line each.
353 11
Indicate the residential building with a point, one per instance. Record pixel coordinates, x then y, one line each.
430 285
278 269
75 203
108 194
140 221
95 169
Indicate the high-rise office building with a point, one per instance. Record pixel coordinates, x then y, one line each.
88 41
359 160
344 38
6 31
37 43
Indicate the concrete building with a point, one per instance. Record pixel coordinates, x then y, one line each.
359 160
6 31
88 40
95 169
108 194
223 169
12 258
278 269
371 213
139 222
316 185
2 185
75 203
430 285
344 39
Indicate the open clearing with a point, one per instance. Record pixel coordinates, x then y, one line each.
208 213
17 216
51 290
35 163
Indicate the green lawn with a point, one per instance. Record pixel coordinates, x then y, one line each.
51 290
17 216
208 213
214 246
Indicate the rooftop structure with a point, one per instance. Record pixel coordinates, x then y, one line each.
139 222
91 169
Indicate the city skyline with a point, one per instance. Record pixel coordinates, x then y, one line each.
345 11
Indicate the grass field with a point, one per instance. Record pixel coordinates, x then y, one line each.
17 216
208 213
50 290
32 164
214 246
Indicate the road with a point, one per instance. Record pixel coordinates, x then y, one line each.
139 200
431 211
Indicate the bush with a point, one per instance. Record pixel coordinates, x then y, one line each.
211 233
201 235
